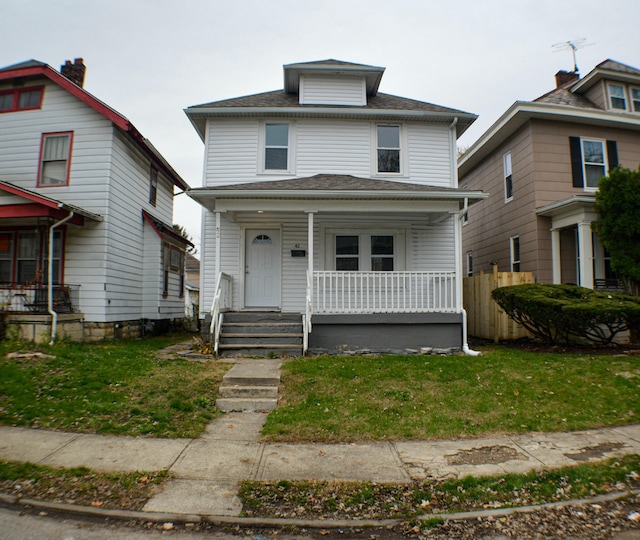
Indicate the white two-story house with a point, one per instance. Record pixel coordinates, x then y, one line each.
336 203
87 249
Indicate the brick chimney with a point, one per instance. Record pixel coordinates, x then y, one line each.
566 77
74 72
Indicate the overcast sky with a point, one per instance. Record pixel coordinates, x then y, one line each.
150 59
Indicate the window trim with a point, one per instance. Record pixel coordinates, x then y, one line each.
401 150
612 97
633 100
43 139
16 92
604 164
469 263
513 262
364 252
262 141
41 255
153 186
508 178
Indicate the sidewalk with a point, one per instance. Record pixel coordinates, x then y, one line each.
206 471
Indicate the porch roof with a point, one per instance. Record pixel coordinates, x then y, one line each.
334 187
40 206
558 208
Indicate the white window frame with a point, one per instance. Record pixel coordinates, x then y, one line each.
364 243
262 141
610 86
402 136
513 261
44 159
507 175
586 163
469 262
635 101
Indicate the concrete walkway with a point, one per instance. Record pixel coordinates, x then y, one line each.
206 471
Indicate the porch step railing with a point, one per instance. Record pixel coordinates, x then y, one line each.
221 303
383 292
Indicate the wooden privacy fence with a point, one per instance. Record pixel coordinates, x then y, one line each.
485 319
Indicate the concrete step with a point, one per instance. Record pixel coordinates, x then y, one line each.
261 317
262 372
248 392
259 335
246 404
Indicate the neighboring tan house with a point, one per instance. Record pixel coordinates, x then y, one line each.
87 249
540 163
335 207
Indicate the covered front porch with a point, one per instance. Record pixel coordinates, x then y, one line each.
375 266
578 257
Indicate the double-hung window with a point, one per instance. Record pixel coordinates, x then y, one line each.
469 258
153 186
55 159
617 97
635 99
508 178
276 150
388 146
593 161
514 248
365 252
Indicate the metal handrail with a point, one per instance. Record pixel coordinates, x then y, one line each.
221 300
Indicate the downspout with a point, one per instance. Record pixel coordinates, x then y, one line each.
54 314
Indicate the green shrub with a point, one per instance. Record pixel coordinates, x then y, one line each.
564 314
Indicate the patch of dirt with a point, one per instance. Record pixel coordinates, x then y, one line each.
597 451
486 455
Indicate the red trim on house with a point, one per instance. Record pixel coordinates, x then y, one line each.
30 210
97 105
68 172
165 230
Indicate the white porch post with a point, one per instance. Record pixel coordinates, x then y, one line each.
585 247
310 239
555 256
218 249
458 260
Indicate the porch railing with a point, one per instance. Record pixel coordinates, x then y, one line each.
221 303
18 298
384 292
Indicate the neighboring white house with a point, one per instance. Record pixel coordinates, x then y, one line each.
338 203
87 249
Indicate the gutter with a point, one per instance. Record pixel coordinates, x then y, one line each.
52 312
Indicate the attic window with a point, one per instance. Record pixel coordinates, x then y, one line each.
617 97
21 99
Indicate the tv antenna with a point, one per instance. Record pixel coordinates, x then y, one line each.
574 45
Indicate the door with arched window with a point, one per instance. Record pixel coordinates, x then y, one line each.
262 268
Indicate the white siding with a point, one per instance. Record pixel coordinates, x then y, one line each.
232 151
429 154
316 90
432 247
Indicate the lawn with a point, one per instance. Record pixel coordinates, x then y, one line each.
110 388
348 399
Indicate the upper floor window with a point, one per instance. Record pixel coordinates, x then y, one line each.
20 99
388 149
591 159
514 249
55 159
635 99
508 178
276 150
153 186
617 97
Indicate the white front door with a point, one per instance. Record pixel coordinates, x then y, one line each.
262 268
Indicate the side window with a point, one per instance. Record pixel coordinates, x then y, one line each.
469 258
55 159
617 97
635 99
153 186
508 178
276 151
591 159
593 162
166 262
514 248
388 146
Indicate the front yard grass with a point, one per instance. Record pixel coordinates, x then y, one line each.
116 388
350 399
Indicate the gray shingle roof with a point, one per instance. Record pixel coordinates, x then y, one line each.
332 182
23 65
280 98
613 65
563 96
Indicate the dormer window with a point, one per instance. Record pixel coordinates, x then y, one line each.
617 97
388 149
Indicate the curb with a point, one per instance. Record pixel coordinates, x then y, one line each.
162 517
